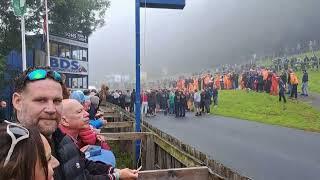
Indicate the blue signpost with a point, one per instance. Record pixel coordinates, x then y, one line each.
164 4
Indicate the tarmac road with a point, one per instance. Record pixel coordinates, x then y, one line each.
256 150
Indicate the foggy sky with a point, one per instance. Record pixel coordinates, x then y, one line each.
206 33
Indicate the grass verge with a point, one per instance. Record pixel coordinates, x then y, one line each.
314 81
264 108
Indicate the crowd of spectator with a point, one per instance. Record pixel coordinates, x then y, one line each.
198 91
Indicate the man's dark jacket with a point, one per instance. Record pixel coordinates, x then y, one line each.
305 77
73 164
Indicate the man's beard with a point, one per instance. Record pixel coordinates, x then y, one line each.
46 124
48 127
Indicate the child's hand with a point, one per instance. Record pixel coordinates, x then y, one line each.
101 138
84 148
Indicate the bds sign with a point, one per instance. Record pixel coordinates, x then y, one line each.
69 66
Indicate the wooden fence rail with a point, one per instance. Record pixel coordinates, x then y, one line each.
163 151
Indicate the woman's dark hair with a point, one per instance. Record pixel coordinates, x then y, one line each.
25 155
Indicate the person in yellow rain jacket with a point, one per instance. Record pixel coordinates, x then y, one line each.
294 81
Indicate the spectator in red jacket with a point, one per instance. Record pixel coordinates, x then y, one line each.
75 123
144 102
87 135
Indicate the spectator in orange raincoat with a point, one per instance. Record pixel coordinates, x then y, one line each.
206 79
195 84
294 82
225 80
274 85
217 82
180 84
265 77
265 74
242 86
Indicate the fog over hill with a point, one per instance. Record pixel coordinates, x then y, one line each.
206 33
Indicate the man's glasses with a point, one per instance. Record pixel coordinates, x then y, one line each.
39 74
17 134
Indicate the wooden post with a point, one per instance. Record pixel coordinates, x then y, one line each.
150 154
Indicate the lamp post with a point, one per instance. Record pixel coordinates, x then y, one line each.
163 4
19 8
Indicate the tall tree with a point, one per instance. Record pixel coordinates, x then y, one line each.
2 70
82 16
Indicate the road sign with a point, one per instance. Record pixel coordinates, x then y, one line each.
163 4
19 7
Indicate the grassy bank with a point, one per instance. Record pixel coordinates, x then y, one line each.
268 61
309 54
264 108
314 81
